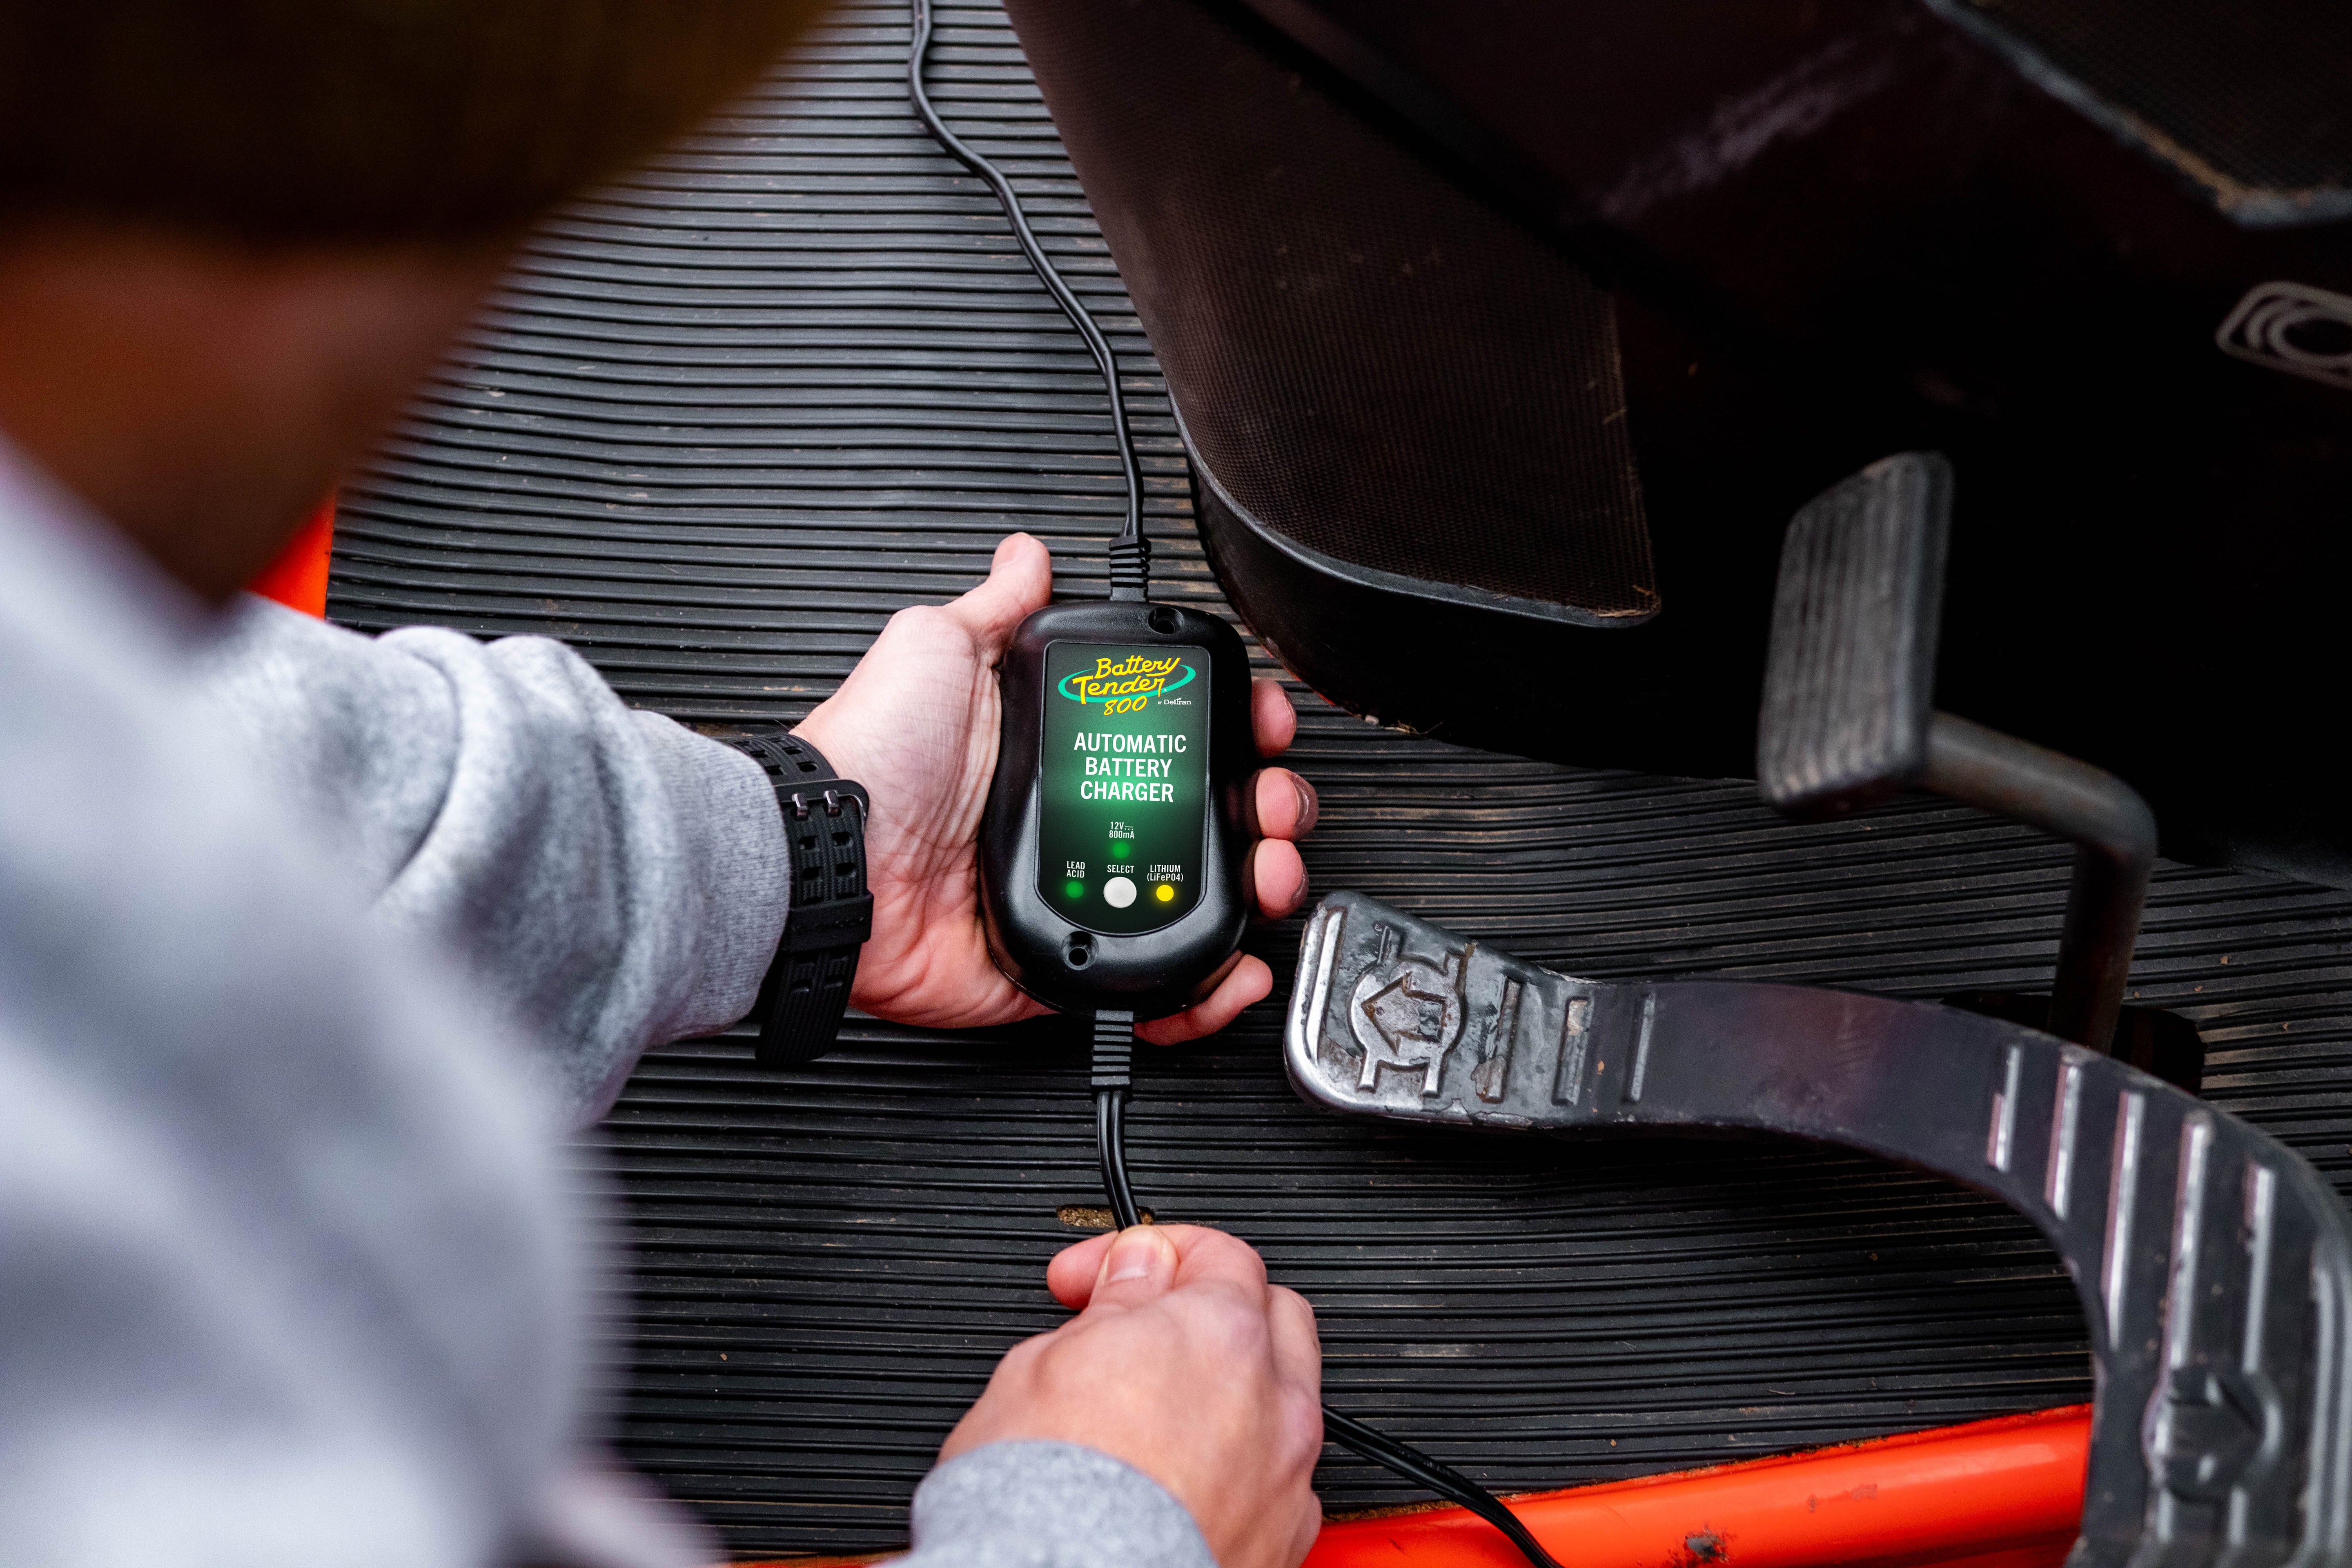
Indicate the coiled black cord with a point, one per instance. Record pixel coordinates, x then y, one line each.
1130 553
1114 1051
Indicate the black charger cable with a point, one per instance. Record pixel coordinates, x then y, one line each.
1114 1056
1113 1062
1130 553
1114 1045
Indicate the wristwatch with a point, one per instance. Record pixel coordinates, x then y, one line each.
832 915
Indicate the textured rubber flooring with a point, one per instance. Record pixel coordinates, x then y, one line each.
730 415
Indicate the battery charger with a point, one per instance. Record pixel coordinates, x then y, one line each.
1116 835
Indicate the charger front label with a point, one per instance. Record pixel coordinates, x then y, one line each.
1124 783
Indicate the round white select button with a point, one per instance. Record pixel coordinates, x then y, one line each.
1119 892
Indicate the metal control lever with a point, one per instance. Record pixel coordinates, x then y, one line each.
1849 719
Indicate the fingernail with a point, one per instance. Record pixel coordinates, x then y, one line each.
1136 1255
1305 803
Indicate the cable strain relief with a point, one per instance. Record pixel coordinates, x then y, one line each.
1114 1049
1130 568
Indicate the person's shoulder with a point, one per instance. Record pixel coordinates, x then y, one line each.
166 901
131 834
263 1154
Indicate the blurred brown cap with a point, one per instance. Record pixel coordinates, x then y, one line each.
334 122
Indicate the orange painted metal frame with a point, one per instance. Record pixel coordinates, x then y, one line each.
298 578
2006 1492
1991 1494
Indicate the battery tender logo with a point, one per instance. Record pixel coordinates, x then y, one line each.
1126 685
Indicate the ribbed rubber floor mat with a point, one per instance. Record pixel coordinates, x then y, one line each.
726 418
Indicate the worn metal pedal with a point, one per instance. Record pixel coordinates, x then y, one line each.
2214 1265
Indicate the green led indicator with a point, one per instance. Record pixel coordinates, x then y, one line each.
1075 889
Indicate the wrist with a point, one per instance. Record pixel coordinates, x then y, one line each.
830 913
1080 1503
836 743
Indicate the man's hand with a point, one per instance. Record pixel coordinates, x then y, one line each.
916 723
1188 1366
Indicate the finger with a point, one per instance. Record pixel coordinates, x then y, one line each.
1288 805
1020 579
1298 1348
1305 1527
1272 717
1139 1266
1277 877
1207 1257
1071 1276
1251 981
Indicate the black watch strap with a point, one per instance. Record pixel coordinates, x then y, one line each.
807 987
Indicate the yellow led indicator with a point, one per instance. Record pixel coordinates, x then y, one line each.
1167 894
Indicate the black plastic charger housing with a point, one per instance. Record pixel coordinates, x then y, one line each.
1155 973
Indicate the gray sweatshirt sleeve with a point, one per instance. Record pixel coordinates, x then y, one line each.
614 879
1049 1505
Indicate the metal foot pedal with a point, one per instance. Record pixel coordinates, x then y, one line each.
2214 1266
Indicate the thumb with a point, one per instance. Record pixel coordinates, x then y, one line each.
1020 579
1141 1266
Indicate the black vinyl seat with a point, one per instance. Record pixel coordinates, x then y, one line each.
1506 338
